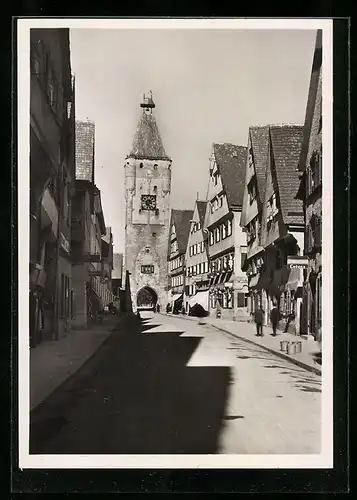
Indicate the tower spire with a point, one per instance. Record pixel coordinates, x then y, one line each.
148 103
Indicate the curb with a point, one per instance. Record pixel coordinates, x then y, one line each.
280 354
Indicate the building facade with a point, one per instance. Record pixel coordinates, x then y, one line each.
282 230
117 274
197 265
251 216
310 192
147 197
180 223
226 239
107 258
90 280
51 183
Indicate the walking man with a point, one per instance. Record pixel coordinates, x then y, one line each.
274 318
258 318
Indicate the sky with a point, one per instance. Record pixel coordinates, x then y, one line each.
208 86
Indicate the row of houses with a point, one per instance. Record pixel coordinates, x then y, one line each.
71 249
256 240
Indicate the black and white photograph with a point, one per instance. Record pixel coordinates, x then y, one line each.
175 243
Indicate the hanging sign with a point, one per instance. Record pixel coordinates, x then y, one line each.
298 261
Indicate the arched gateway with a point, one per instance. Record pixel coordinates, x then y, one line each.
146 298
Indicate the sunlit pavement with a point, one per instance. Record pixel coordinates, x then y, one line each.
168 385
273 405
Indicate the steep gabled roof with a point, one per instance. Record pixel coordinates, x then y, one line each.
286 143
259 137
311 100
231 161
181 219
201 208
147 142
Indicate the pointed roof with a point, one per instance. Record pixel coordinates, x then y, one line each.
259 138
286 143
231 161
147 143
201 208
181 219
311 100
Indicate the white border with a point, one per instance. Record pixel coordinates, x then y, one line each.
322 460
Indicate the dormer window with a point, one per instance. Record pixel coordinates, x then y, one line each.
252 190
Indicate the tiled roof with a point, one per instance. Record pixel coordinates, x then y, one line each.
286 143
259 137
201 207
85 150
231 161
181 219
147 140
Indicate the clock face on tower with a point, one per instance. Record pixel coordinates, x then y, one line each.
148 202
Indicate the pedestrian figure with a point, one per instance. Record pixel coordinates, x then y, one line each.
218 310
258 318
274 318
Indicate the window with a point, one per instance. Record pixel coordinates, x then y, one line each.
213 301
250 157
220 201
229 228
252 190
62 296
241 299
243 258
218 235
211 238
148 202
198 226
231 262
202 246
206 267
147 269
318 232
215 179
224 231
72 305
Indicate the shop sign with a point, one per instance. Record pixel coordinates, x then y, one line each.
298 262
64 243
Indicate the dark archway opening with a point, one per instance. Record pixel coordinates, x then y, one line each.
146 298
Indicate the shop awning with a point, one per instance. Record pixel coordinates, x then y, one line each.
179 299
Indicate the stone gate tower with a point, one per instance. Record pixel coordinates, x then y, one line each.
147 197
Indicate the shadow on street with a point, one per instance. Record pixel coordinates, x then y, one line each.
135 396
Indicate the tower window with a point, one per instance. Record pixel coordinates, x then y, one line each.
141 165
155 188
154 235
155 166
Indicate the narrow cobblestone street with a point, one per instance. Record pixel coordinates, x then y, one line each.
180 387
